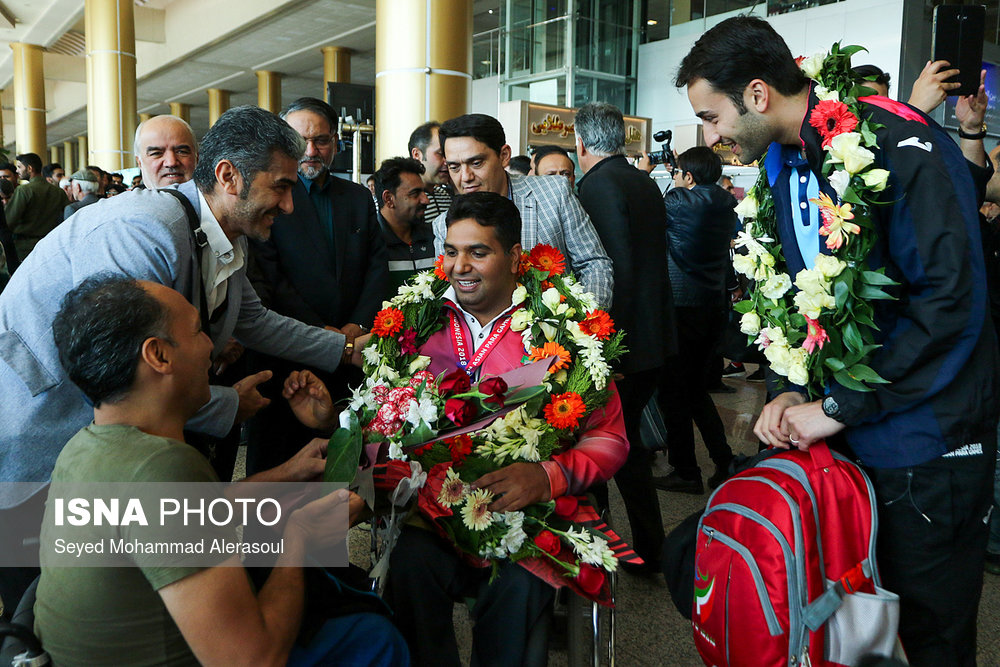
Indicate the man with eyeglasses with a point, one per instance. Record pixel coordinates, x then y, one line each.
325 264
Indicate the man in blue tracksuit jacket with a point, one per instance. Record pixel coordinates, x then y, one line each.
928 438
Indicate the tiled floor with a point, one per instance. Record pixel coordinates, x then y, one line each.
650 631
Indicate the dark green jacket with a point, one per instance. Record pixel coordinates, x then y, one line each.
34 210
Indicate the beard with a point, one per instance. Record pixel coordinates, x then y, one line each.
310 170
753 139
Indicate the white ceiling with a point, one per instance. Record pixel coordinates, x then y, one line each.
287 41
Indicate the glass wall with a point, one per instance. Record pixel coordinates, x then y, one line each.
659 15
568 52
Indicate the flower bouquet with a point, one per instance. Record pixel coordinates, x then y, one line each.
438 435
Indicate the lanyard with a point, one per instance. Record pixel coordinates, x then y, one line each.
461 348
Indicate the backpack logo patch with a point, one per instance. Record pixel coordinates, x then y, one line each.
703 595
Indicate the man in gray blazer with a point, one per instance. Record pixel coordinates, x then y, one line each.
244 179
476 153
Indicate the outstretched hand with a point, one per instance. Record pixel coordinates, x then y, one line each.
970 110
250 399
309 400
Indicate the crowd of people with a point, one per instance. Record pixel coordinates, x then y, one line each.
228 295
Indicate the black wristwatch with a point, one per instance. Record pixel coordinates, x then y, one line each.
831 409
981 134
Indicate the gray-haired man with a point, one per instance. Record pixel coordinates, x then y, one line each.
247 170
629 216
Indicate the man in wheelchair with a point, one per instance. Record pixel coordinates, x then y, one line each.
426 574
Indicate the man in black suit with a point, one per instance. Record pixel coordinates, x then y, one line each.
325 264
628 213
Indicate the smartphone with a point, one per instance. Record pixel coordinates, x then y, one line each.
959 31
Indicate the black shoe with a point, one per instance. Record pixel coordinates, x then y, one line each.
639 570
720 476
732 370
992 563
674 482
722 388
757 375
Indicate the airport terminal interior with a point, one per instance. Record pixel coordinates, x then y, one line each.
79 77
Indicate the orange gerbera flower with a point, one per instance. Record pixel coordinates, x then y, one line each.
546 258
388 322
565 410
598 323
524 265
439 268
552 350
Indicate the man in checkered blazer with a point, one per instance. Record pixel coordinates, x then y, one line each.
476 153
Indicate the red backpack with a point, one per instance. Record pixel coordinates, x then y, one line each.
785 570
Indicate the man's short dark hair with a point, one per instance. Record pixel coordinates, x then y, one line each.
737 51
544 150
49 169
31 161
8 166
248 137
99 332
421 137
315 105
866 71
389 174
489 210
703 163
601 128
520 164
484 129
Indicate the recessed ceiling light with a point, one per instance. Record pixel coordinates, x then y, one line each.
491 11
651 22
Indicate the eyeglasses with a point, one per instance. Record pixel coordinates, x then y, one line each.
676 170
321 141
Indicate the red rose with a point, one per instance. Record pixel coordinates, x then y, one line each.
456 382
566 506
459 411
495 388
548 542
590 579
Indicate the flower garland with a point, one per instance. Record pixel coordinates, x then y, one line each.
403 406
823 329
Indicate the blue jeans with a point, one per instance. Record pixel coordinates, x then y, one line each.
356 640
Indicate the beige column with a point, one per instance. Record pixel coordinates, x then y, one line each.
218 104
423 65
83 152
143 117
336 67
53 154
29 99
111 102
269 90
181 110
68 163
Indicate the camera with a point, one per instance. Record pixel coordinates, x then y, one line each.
665 155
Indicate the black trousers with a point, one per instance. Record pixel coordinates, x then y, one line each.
427 577
635 478
931 544
684 395
20 537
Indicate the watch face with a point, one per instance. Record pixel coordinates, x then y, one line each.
830 406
